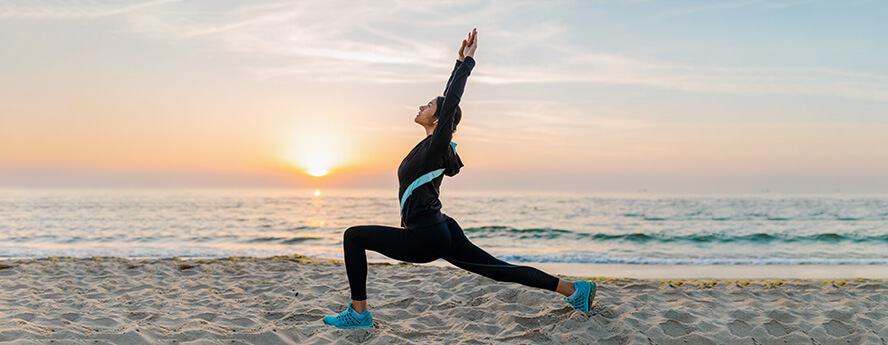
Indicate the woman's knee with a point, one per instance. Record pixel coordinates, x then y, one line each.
350 233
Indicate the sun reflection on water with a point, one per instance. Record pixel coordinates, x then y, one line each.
316 219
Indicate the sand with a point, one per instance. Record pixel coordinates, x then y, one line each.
282 301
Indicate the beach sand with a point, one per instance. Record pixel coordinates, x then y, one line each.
282 301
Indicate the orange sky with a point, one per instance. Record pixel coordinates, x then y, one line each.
172 93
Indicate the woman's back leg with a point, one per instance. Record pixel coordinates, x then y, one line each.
466 255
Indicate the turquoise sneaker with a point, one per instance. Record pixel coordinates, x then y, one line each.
584 295
347 319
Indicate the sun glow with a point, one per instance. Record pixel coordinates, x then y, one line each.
318 163
317 152
317 172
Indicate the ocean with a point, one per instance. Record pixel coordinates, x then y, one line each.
637 228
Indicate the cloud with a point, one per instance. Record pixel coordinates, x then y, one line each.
712 6
545 123
400 44
406 42
70 9
328 40
782 5
578 66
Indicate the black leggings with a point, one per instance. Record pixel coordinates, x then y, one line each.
440 241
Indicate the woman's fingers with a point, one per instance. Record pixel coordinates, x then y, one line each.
472 42
469 44
473 37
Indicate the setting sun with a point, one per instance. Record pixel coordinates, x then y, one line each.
317 172
316 152
318 164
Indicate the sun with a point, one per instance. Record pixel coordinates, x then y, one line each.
317 172
316 152
318 162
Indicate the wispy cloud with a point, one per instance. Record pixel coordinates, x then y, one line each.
543 122
583 67
712 6
265 19
328 40
730 5
399 44
788 4
70 9
402 42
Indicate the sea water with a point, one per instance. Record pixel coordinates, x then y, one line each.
639 228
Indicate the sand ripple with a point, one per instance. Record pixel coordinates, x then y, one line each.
282 300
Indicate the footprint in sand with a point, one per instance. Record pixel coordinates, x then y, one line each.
781 316
680 316
743 314
673 328
71 316
776 328
839 315
739 328
837 328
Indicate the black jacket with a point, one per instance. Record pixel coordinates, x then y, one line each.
435 152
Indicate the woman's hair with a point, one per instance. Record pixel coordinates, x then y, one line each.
456 117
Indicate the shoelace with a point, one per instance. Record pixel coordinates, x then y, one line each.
346 317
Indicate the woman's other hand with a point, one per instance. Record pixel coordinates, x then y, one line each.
468 45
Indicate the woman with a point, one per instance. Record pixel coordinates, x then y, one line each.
428 234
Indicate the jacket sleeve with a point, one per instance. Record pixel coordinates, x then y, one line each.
444 131
450 80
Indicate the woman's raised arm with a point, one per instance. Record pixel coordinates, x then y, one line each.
444 130
462 56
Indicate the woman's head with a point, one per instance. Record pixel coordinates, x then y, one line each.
428 113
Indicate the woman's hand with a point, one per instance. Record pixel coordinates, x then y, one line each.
468 45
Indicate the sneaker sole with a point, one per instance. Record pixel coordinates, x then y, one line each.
346 327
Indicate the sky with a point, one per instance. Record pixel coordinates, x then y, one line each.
611 96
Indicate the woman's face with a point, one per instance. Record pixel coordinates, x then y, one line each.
426 115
